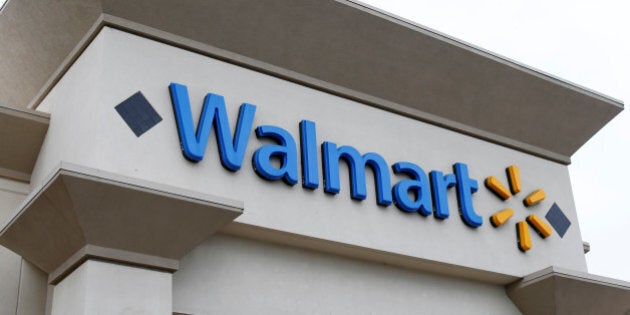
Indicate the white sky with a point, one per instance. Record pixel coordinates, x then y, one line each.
584 42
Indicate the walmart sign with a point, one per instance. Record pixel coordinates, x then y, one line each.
423 193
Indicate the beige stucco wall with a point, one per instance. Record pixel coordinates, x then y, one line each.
22 286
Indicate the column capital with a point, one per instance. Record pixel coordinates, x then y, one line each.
80 213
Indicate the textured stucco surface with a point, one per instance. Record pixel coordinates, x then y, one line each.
105 288
239 276
118 64
332 45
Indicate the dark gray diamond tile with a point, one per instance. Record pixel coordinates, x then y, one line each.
558 220
138 113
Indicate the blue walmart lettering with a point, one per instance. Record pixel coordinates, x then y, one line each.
419 193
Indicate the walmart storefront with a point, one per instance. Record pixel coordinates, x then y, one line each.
282 157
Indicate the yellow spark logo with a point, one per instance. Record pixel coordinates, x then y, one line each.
522 227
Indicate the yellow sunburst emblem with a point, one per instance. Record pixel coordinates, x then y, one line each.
522 227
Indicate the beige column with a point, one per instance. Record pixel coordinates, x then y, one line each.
99 287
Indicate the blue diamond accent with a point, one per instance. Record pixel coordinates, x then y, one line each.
138 113
558 220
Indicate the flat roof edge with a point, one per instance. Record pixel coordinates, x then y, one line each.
565 291
401 66
483 52
574 274
22 134
106 20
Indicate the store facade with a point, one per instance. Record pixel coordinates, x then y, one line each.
232 157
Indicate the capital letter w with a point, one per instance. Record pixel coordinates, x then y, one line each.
213 113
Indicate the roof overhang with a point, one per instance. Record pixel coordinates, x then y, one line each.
80 213
341 47
561 291
22 133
